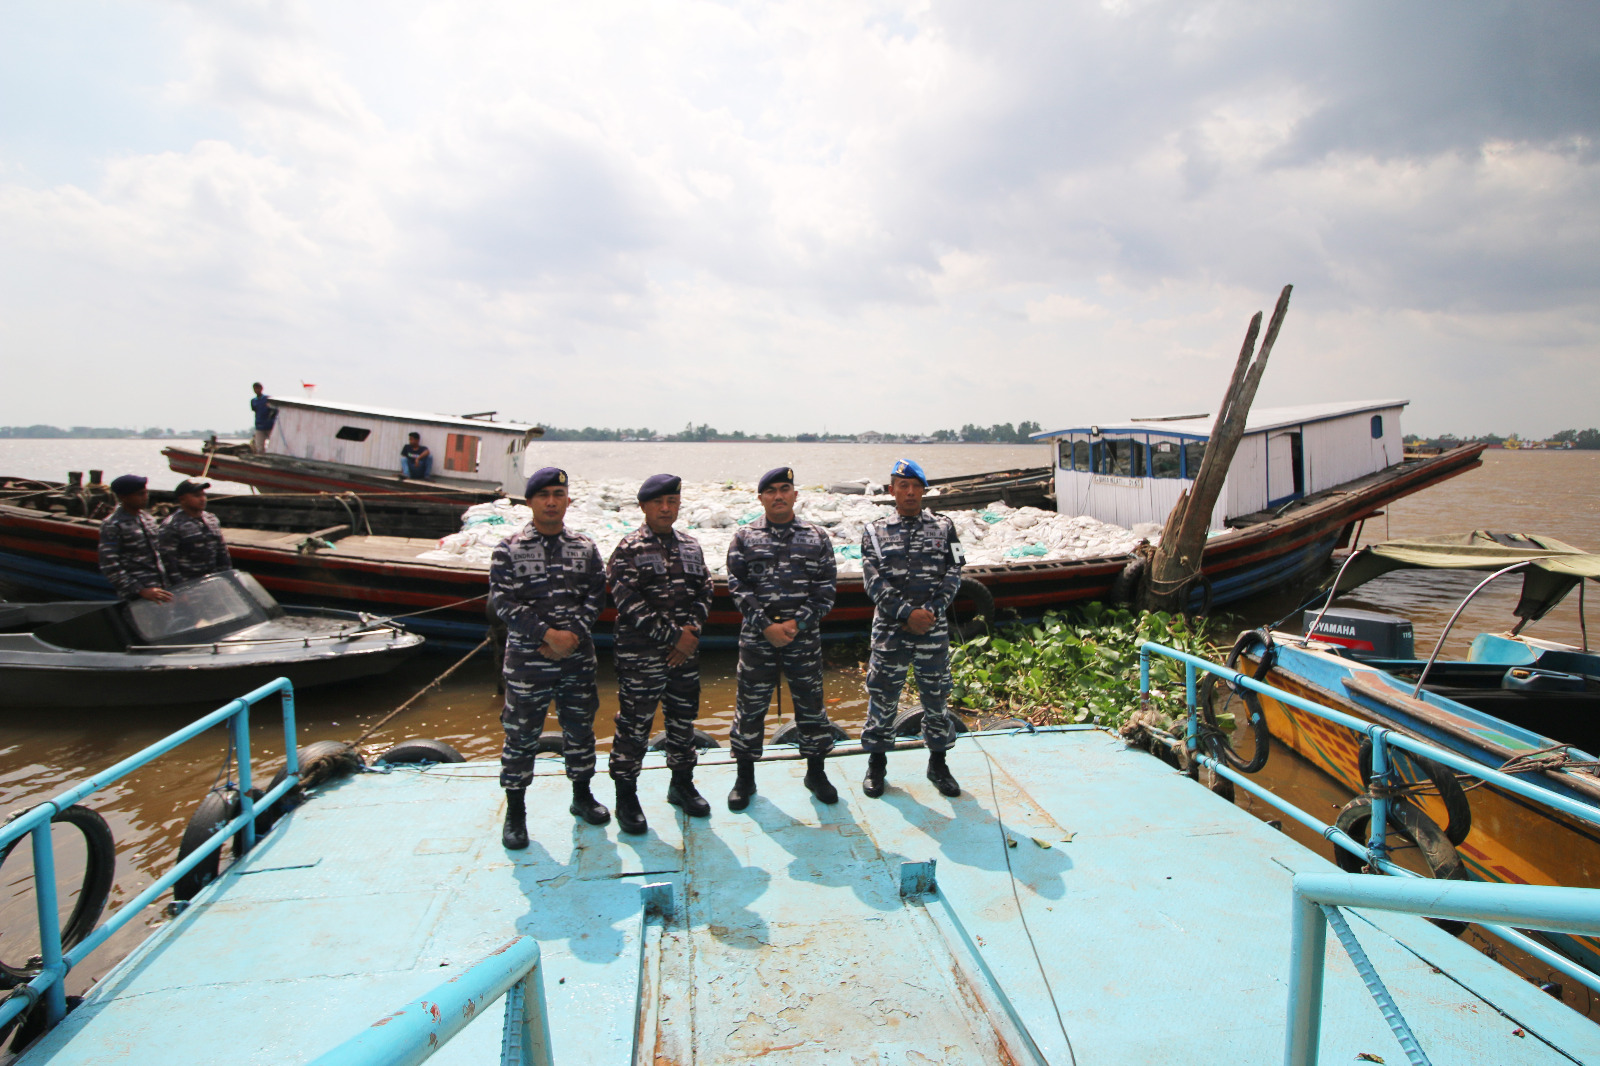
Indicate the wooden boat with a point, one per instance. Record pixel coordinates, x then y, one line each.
1514 702
221 634
55 553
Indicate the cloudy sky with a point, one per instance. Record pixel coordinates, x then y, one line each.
779 217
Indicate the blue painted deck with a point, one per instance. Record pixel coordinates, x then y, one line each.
1162 926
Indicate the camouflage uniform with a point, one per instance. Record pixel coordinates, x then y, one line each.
192 545
907 563
130 553
779 572
660 585
537 583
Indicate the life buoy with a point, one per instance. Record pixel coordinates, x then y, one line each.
421 750
100 865
976 593
1454 797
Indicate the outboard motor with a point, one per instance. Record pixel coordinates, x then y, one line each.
1368 634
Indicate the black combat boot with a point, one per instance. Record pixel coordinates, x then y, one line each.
877 772
515 834
744 786
585 806
817 780
940 775
682 793
630 816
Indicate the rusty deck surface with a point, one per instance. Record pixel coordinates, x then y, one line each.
1154 927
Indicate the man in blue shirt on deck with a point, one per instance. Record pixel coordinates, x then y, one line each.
416 461
266 418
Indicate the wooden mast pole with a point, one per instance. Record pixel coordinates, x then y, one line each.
1177 560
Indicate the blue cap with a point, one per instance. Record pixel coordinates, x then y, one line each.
128 484
658 485
775 476
908 468
545 476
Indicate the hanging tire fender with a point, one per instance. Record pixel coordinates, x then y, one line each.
100 867
975 592
703 741
1454 797
421 750
1411 823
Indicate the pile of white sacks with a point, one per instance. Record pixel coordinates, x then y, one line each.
609 511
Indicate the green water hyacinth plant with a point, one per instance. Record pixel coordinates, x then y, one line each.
1078 665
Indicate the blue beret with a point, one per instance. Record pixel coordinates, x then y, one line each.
657 485
774 476
128 484
546 475
909 468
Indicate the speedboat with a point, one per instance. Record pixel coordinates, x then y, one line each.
1516 704
222 634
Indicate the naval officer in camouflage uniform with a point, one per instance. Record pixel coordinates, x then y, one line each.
547 584
911 566
781 573
191 537
662 591
130 544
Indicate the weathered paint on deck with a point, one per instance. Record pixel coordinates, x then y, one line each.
1159 914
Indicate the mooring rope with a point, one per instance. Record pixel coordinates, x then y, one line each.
425 688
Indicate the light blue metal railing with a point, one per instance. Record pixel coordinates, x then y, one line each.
1317 898
48 986
1496 903
413 1033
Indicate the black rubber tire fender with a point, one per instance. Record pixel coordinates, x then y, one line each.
326 759
217 808
789 732
32 1027
1125 587
703 741
421 750
1205 696
1411 823
1443 778
908 723
550 742
982 600
100 867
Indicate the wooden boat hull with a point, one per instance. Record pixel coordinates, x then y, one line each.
1512 841
57 554
273 473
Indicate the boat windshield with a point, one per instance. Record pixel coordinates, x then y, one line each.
202 610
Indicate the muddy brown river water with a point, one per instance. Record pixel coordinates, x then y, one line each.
42 752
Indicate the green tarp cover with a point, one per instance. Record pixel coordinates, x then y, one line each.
1554 566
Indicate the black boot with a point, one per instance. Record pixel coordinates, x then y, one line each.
630 816
817 780
515 834
877 771
744 786
940 775
682 793
585 806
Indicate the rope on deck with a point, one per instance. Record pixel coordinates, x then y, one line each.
380 723
1375 985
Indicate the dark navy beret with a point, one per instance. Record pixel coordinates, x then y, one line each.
909 468
657 485
544 477
774 477
128 484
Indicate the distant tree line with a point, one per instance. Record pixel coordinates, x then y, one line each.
107 433
1000 433
1578 438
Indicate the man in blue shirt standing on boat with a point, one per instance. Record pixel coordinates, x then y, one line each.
547 584
130 544
911 566
662 590
781 573
266 418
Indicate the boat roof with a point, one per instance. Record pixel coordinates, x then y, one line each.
1553 567
394 414
1261 419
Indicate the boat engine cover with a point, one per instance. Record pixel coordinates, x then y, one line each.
1367 633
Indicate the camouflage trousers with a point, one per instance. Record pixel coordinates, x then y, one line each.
644 680
532 681
760 665
893 650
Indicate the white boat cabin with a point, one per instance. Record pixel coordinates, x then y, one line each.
1133 472
468 451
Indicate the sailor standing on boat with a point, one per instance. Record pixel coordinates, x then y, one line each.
781 573
266 418
130 544
911 566
547 584
662 590
191 537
